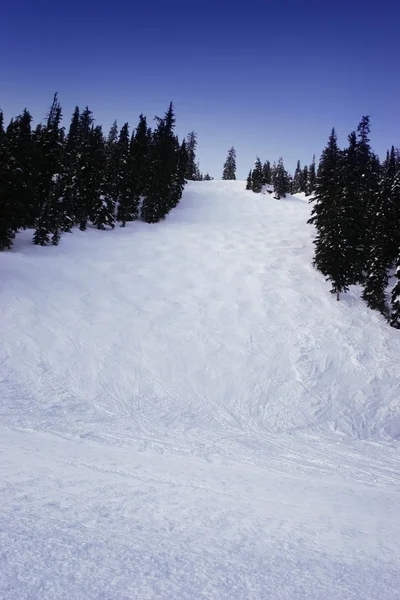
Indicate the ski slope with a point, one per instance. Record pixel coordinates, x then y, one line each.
186 412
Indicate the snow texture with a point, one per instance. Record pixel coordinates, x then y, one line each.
187 412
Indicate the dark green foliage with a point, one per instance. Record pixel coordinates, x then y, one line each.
266 171
192 170
249 181
257 179
16 178
229 171
281 180
312 177
297 179
382 247
52 182
330 245
106 215
304 180
47 216
127 203
395 298
207 177
160 194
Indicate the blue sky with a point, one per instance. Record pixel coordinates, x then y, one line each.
270 78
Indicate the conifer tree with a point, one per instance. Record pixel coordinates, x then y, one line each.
304 180
382 251
266 171
230 165
395 298
368 169
49 146
257 177
297 179
16 178
192 170
281 181
106 215
71 172
159 196
326 215
127 208
249 181
84 170
312 176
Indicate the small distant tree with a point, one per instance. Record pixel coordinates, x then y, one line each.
192 170
257 177
249 182
282 181
230 165
297 179
312 176
266 171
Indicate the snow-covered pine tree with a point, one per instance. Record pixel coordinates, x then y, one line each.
71 173
304 180
229 171
127 208
192 171
395 298
158 199
16 178
49 152
257 178
281 181
249 181
266 171
326 215
382 248
312 175
297 179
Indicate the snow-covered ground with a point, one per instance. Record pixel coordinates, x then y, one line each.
186 412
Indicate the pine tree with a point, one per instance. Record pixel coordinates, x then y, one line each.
126 210
49 147
257 177
106 215
395 297
297 179
368 169
207 177
382 251
326 215
312 176
99 212
304 180
16 178
71 173
281 181
353 218
159 196
266 171
192 171
230 165
83 172
249 182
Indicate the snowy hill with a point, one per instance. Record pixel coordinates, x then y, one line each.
187 412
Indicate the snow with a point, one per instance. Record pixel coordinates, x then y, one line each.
187 412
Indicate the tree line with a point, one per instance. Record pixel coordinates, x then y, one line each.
52 180
356 213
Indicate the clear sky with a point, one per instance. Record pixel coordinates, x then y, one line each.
270 78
